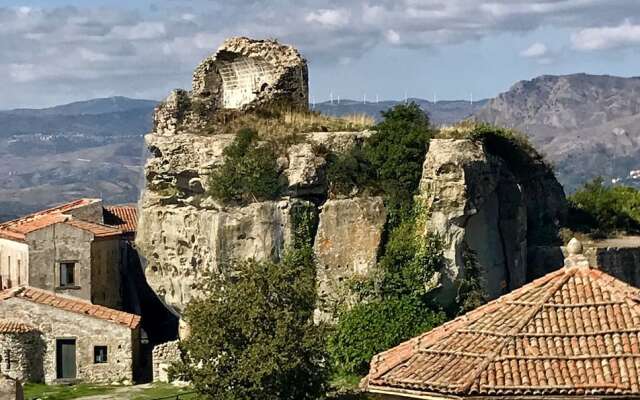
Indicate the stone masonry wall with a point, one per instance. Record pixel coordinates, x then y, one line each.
25 352
87 331
105 273
164 355
58 243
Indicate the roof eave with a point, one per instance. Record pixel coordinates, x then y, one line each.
409 394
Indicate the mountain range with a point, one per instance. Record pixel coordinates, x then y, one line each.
586 125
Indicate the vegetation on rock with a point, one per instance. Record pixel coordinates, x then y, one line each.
268 346
249 172
602 211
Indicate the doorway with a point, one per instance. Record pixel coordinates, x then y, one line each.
66 358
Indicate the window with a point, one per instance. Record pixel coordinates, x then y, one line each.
7 359
67 274
100 354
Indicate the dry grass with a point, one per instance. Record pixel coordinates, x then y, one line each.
284 123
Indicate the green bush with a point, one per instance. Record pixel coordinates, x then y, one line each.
390 162
252 333
409 262
249 172
601 211
369 328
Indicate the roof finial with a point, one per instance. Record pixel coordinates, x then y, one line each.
575 257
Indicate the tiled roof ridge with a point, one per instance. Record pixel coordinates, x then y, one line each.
518 328
456 323
61 208
8 325
546 342
92 310
78 223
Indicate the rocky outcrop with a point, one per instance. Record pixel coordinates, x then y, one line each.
486 210
182 242
243 75
346 245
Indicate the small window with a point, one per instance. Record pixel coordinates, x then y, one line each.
100 354
67 274
7 359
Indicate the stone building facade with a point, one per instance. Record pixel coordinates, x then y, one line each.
79 341
86 253
20 351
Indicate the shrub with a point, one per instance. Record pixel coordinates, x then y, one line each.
599 210
249 172
252 333
395 153
348 172
471 294
370 328
409 262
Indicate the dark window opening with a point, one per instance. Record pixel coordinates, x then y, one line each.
67 274
7 359
100 354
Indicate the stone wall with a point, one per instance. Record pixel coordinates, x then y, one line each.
21 356
88 332
164 355
10 389
57 243
92 212
14 263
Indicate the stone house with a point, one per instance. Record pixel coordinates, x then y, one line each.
572 334
78 341
20 351
67 250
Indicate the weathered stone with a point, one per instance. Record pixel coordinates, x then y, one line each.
10 389
476 203
164 355
182 242
21 356
346 246
305 170
244 74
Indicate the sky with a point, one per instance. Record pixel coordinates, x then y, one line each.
58 51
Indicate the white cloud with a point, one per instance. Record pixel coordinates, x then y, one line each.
392 36
329 17
608 37
536 50
87 50
140 31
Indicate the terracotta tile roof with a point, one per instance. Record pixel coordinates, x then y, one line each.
17 229
11 326
123 217
98 230
71 304
575 331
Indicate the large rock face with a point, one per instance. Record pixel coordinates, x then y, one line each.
346 245
481 209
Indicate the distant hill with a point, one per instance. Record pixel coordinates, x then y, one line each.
114 116
91 148
587 125
441 112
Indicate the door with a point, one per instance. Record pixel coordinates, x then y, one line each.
66 358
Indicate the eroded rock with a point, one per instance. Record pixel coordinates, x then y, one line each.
181 243
481 208
346 246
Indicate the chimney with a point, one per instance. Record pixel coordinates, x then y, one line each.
575 257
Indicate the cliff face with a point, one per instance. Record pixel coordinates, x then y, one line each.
488 211
476 198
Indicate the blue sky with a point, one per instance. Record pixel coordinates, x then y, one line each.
56 51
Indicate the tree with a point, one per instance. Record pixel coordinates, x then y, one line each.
252 333
396 153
